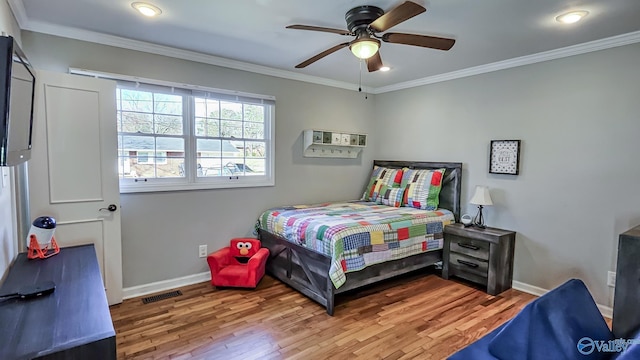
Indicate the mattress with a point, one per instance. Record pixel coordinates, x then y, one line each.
357 234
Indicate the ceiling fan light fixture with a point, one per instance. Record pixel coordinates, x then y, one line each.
364 48
146 9
572 17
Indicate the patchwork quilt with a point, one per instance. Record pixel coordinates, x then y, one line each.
358 234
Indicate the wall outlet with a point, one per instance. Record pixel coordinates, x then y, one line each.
202 251
611 278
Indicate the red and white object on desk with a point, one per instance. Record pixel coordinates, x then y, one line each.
40 240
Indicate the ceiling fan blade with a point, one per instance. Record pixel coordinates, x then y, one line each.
319 28
419 40
403 12
374 63
321 55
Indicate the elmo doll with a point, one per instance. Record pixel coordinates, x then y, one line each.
239 265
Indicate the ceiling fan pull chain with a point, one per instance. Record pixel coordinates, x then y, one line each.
366 96
360 79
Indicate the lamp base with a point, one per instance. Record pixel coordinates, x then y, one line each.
478 221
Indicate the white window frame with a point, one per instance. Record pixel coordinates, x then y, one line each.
191 181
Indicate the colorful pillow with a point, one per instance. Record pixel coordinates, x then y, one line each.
422 188
391 197
381 180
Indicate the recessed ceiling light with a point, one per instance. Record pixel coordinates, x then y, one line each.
146 9
385 68
572 17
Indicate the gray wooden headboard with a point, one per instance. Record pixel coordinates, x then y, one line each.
451 184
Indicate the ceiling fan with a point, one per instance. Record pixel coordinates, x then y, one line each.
364 22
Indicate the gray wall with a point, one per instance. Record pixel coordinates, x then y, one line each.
161 231
576 117
579 181
8 243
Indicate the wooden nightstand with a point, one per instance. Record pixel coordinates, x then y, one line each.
484 256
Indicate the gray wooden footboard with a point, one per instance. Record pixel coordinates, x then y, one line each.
302 269
308 271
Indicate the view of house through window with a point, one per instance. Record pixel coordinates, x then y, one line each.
167 136
230 137
151 136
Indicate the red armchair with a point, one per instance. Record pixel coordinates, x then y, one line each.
239 265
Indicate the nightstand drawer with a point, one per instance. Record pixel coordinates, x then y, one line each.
471 276
476 248
467 263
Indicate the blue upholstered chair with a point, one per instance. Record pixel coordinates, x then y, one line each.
563 324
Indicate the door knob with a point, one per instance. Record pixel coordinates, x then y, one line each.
111 207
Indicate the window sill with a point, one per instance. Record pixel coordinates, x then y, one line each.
147 187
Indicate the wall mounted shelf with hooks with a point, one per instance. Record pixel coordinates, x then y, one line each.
333 144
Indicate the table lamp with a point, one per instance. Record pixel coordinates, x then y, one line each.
480 198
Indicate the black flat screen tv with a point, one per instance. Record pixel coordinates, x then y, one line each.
17 87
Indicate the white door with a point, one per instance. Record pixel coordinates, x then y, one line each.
73 173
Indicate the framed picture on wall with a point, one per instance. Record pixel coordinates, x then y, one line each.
504 157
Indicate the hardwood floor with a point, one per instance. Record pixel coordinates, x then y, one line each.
415 317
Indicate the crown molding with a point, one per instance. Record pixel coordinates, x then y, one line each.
116 41
602 44
19 12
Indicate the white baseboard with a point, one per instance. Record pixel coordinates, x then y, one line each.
154 287
163 285
538 291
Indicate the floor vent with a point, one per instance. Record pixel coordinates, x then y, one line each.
159 297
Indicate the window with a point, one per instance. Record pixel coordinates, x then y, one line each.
172 138
230 137
143 158
151 134
149 157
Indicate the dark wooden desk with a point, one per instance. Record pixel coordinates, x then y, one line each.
72 323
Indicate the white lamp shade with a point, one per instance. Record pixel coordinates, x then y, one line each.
364 48
481 197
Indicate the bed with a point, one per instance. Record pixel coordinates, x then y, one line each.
321 269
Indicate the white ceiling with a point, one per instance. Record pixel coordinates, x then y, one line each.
253 32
